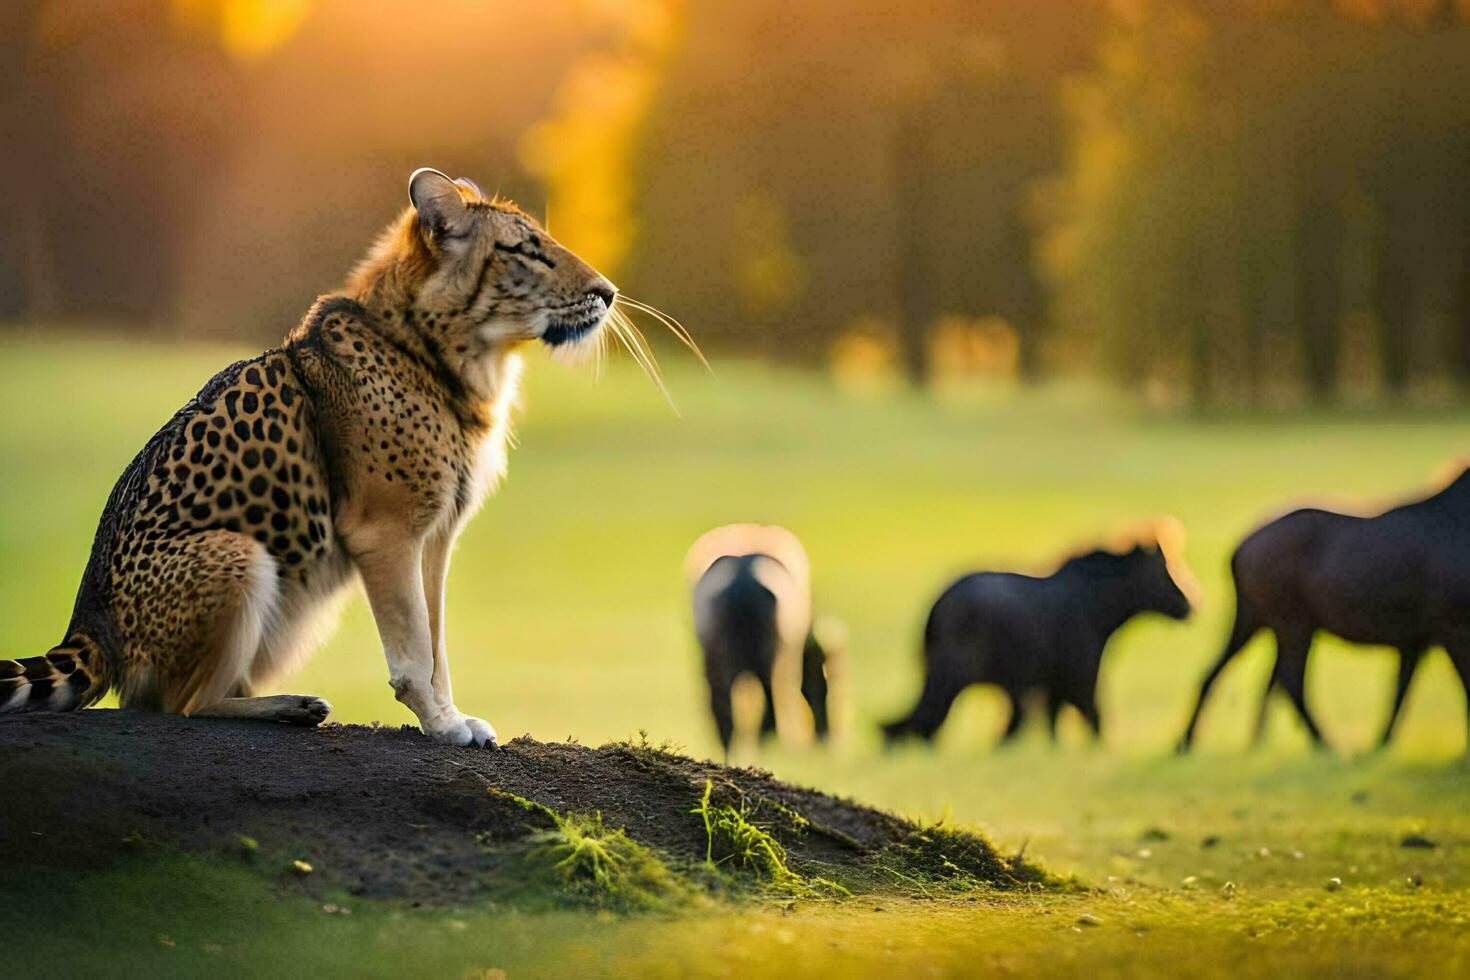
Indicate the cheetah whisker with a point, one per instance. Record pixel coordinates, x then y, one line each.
624 330
675 327
632 340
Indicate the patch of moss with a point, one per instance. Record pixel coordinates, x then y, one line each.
538 814
937 857
602 867
576 859
733 839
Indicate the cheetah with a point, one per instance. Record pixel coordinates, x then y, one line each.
353 453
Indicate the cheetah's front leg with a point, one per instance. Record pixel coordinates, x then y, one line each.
393 577
436 573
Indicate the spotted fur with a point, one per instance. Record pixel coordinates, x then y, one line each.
355 451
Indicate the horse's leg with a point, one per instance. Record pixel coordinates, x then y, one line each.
1459 651
1017 719
1293 644
1409 658
1246 626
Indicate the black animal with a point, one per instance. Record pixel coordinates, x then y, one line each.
752 615
1029 634
1399 579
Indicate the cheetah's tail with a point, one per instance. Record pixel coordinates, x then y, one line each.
65 678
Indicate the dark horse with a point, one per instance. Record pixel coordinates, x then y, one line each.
1037 634
753 615
1400 579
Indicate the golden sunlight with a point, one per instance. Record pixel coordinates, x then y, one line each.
248 29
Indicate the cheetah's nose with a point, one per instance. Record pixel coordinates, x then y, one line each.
604 291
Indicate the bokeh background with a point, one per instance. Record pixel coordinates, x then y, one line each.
980 280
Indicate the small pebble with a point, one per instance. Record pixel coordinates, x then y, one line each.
1088 919
301 867
1333 884
1227 890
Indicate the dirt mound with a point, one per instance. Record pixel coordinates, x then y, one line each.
385 812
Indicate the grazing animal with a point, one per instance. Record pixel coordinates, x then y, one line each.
1400 579
1045 635
753 615
355 451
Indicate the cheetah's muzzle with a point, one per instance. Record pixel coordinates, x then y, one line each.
576 322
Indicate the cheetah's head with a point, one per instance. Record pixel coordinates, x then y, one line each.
480 274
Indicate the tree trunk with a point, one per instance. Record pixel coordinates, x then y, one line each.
1319 295
1460 305
1255 309
1459 258
1201 367
910 193
1393 298
1030 305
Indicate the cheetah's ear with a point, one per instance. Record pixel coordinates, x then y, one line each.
441 209
470 186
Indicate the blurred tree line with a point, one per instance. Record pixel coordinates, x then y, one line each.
809 167
1229 201
1269 199
210 166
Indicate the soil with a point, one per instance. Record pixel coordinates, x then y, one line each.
385 812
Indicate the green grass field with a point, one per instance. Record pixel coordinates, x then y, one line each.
568 619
